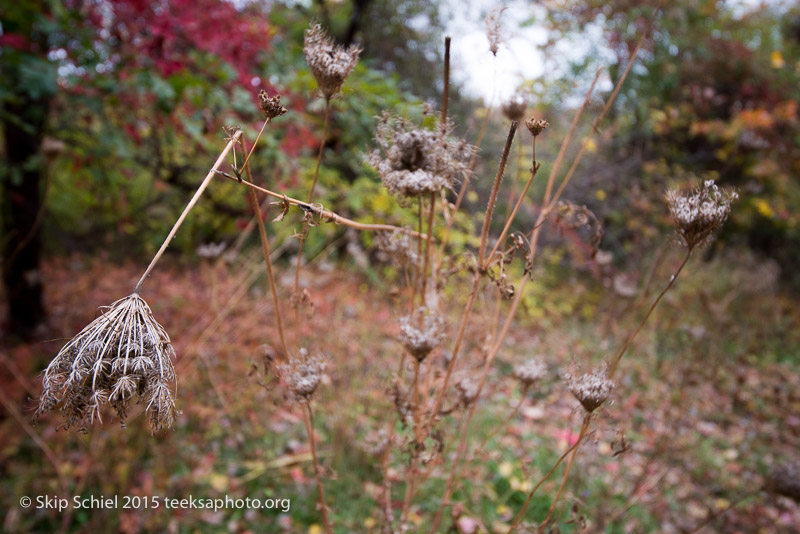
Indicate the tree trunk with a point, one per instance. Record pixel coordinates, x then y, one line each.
21 197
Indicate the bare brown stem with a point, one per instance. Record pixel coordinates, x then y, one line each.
647 315
308 418
187 209
253 148
431 213
493 195
265 249
584 428
502 425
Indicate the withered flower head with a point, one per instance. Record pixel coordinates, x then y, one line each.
397 247
302 376
271 107
591 389
415 161
514 108
699 212
493 29
122 356
421 332
784 480
467 390
536 126
529 372
330 64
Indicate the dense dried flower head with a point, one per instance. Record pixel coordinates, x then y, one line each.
529 372
330 64
421 332
397 247
122 356
514 108
699 212
536 126
303 375
591 389
493 29
413 161
271 107
467 390
784 480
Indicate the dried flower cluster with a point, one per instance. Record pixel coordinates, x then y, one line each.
303 375
591 389
529 372
271 107
421 332
514 108
467 390
330 64
784 480
493 29
397 247
122 356
536 126
414 161
699 212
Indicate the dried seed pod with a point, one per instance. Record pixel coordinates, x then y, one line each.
302 376
529 372
699 212
421 332
271 107
591 389
536 126
514 108
330 64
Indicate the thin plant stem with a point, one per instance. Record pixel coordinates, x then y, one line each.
493 195
584 428
571 449
428 249
416 276
321 147
187 209
308 418
253 148
713 517
329 216
502 425
630 339
265 249
446 91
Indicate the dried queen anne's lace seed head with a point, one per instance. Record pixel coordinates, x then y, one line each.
699 212
536 126
467 390
514 108
123 356
271 107
397 247
493 29
302 376
421 332
784 480
591 389
414 161
529 372
330 64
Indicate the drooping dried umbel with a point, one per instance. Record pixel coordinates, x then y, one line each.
784 480
413 161
271 107
514 108
302 376
699 212
529 372
421 332
330 64
122 356
591 389
493 29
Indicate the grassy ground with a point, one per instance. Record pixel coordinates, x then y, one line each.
706 403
